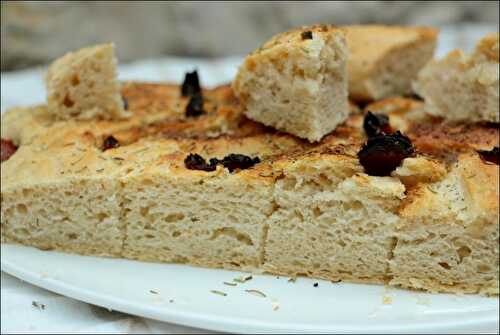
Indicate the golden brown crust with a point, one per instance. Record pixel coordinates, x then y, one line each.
439 139
223 130
480 182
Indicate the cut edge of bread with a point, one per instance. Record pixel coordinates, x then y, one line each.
297 85
83 85
463 87
382 65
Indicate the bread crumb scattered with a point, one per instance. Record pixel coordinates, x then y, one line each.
387 300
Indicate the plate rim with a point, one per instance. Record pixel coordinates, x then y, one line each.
214 322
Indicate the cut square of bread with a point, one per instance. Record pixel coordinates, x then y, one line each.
301 209
83 85
383 60
177 215
333 221
461 87
296 82
443 233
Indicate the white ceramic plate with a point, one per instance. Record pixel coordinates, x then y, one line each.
184 296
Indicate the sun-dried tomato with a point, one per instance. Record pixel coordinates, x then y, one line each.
307 35
7 149
195 106
238 161
196 162
214 161
376 124
382 154
110 142
231 162
191 84
492 156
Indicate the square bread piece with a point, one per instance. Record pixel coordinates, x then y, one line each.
83 85
212 219
332 221
447 235
463 87
383 60
296 82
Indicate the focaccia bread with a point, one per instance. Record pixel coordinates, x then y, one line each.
462 87
218 190
84 85
297 82
384 60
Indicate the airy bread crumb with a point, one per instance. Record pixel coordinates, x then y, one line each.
297 82
384 60
463 88
83 85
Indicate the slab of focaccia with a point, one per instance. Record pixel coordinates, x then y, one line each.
301 209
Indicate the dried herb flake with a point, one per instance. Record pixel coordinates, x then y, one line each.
256 293
218 293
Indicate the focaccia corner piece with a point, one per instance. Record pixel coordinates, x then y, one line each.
297 82
83 85
463 87
383 60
